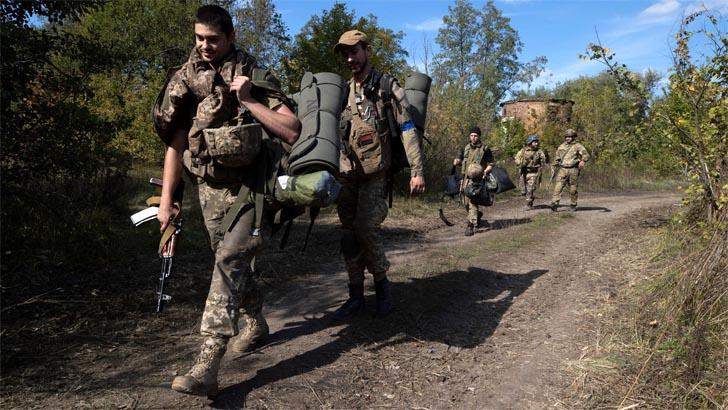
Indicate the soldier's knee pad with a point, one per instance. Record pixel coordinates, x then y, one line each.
349 244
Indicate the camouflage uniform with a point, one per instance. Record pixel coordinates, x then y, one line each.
480 154
566 160
530 162
361 204
197 98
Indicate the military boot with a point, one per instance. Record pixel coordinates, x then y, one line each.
469 230
256 329
572 208
384 297
201 380
553 206
529 205
354 305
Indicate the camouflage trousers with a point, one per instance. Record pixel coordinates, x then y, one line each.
566 177
362 208
530 182
232 288
472 212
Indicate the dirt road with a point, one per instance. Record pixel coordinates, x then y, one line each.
481 322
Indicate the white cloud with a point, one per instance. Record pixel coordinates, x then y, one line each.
661 9
427 25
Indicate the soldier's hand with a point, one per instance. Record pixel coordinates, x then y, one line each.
456 162
241 86
581 164
165 215
417 185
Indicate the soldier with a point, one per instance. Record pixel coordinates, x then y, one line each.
570 158
530 160
365 159
477 161
208 90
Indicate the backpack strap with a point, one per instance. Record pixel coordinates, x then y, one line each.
312 213
385 93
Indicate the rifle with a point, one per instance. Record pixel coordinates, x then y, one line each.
168 242
554 171
522 173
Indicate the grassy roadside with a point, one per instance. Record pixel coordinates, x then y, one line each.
664 343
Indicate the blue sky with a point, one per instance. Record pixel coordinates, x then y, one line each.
638 31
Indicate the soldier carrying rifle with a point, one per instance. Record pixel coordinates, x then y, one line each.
530 160
570 158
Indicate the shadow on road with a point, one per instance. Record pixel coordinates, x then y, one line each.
457 308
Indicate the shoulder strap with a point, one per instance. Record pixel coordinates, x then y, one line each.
385 87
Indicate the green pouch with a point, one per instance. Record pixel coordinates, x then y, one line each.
317 189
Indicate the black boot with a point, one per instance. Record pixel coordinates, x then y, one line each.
469 230
384 297
353 306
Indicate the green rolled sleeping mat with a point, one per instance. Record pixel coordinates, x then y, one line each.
319 102
417 88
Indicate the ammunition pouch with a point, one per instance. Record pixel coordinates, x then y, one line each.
233 145
371 149
222 154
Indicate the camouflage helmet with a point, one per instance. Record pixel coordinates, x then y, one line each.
475 172
570 133
531 139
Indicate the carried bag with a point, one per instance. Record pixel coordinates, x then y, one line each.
452 185
503 182
478 193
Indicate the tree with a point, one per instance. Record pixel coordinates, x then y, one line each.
692 118
139 48
476 67
479 53
260 30
313 48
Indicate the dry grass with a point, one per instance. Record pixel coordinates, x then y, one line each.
664 346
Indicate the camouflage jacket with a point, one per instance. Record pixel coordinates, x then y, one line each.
530 160
197 96
363 98
569 155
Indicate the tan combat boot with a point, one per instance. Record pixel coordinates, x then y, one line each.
256 329
201 380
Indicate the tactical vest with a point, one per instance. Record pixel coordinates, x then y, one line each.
473 155
221 142
531 160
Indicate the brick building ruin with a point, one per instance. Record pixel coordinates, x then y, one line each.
533 111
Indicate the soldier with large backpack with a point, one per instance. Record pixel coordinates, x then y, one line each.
214 121
369 124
